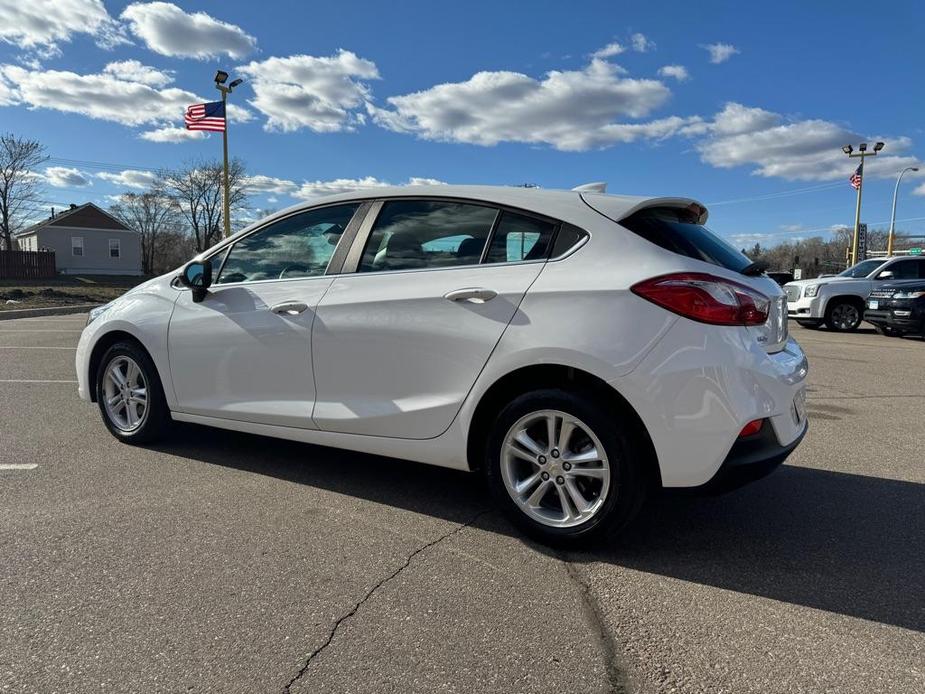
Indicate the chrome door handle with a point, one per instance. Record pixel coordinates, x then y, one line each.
474 295
289 308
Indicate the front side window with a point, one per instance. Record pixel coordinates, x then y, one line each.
298 246
903 270
518 237
77 245
115 248
413 234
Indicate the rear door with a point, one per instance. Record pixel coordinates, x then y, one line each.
428 289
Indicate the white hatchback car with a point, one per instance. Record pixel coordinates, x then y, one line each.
579 349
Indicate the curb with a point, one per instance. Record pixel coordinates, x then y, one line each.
49 311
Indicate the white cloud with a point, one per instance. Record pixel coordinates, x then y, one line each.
303 91
107 96
678 72
641 44
571 110
269 184
919 190
808 150
720 52
309 190
40 25
608 51
134 71
130 178
66 177
172 135
168 30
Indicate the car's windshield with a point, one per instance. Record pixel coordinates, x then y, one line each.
862 269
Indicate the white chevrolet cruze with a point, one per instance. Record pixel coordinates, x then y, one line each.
579 349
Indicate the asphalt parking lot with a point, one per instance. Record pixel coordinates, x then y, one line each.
222 562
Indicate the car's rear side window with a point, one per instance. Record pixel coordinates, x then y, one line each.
412 234
677 230
518 237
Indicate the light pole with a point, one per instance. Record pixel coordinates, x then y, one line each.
220 78
862 153
889 239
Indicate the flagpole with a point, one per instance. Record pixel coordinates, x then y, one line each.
857 219
226 202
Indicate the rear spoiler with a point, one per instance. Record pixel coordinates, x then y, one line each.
616 208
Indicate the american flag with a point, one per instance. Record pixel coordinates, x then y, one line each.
856 176
210 116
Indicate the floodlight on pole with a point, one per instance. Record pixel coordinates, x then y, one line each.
221 77
862 153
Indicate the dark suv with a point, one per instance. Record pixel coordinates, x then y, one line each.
897 308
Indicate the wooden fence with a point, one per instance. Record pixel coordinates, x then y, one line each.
27 265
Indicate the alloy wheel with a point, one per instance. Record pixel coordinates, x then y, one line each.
125 393
845 317
555 468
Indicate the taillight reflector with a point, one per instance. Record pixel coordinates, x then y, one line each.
751 428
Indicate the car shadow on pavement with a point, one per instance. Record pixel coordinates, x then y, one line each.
844 543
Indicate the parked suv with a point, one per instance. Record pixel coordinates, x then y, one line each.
839 301
580 350
897 308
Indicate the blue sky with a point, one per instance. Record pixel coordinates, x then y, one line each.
741 105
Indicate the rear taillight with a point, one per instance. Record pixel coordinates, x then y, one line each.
706 298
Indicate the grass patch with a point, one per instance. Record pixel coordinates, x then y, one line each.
64 291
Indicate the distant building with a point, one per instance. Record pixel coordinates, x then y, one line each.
86 240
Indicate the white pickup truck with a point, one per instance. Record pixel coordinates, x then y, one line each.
839 301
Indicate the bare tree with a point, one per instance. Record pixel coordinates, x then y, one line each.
19 184
197 187
153 214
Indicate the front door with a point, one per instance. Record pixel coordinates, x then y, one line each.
244 352
399 343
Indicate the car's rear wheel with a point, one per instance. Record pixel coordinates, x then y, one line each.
564 469
130 396
843 316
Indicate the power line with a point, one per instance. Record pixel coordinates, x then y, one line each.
779 194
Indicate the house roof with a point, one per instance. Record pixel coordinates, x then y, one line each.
86 216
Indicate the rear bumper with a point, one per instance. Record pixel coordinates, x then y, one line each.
750 459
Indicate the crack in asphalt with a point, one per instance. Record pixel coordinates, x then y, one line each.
333 631
615 679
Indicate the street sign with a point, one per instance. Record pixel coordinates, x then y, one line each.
797 273
862 243
915 251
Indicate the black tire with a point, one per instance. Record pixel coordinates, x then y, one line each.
809 324
843 316
627 489
156 416
887 330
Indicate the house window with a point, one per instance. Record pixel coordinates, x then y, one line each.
77 245
114 249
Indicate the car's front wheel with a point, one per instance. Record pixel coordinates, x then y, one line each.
843 316
129 394
565 469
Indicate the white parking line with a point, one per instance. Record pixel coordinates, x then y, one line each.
32 380
18 466
30 347
42 330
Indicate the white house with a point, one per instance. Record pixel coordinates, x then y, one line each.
86 240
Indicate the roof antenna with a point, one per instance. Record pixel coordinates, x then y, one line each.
597 187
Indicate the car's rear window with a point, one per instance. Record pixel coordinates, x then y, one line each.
677 230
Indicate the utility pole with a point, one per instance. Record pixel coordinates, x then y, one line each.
862 153
889 239
220 78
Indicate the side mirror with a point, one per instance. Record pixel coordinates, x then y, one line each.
197 275
885 275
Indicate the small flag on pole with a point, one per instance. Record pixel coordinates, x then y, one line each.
856 176
209 116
